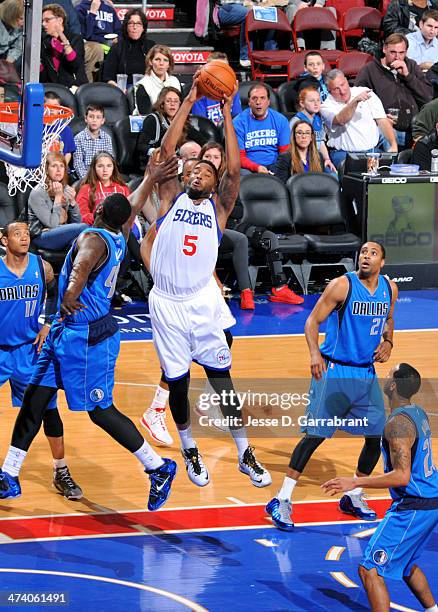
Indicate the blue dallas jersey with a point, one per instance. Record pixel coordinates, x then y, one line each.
354 330
21 302
424 476
100 287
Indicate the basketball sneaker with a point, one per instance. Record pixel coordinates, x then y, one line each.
9 485
154 421
196 470
161 481
281 512
257 473
247 299
65 484
285 296
355 504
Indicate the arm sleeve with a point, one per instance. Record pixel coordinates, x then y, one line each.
51 301
38 200
377 109
82 200
74 214
245 162
283 134
421 89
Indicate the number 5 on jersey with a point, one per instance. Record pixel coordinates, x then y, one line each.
190 246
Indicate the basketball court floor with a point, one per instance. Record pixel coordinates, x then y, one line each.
212 548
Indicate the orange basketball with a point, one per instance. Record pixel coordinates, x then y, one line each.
216 79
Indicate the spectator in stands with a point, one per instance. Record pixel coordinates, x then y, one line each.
91 140
310 104
62 57
206 107
425 121
421 154
11 31
72 20
103 178
353 116
397 81
99 22
64 142
159 67
157 123
127 55
423 43
404 16
303 154
313 75
262 133
54 217
233 241
189 150
328 39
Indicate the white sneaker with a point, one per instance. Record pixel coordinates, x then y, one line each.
154 421
257 473
196 470
245 63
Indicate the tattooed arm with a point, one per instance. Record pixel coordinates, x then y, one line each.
400 433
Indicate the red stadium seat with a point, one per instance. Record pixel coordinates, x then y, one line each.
359 18
311 18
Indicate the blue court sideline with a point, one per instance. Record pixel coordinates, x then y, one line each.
273 319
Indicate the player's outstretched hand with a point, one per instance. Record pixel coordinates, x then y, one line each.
162 171
383 352
227 101
338 485
317 365
70 306
195 92
41 337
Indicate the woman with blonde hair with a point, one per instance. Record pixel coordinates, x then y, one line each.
159 68
11 30
303 155
54 216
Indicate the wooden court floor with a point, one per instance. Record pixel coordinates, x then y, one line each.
111 478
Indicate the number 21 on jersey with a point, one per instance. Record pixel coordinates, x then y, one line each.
377 326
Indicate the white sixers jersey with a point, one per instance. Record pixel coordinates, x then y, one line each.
184 252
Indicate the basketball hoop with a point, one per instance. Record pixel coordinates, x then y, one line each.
54 120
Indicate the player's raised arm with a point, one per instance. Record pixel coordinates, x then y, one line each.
91 250
230 183
156 172
334 294
383 351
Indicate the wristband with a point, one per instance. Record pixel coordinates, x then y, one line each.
390 342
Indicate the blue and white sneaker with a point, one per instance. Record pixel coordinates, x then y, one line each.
355 504
161 480
9 486
281 512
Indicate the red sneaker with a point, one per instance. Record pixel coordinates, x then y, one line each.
247 299
285 295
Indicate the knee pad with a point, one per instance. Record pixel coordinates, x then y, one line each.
53 427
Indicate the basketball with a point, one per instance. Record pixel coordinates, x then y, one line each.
216 79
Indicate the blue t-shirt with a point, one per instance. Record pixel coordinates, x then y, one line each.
68 141
212 108
261 138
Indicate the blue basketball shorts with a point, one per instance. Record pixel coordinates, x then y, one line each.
347 398
80 358
16 366
399 541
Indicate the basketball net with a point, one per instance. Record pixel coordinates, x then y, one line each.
54 121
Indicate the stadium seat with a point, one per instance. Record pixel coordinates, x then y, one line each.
126 143
341 7
266 205
351 63
313 18
67 97
246 86
287 95
318 215
359 18
8 206
111 98
262 60
205 127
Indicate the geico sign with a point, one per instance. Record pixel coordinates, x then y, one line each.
190 57
393 180
406 239
403 279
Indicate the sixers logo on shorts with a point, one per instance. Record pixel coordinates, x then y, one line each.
380 557
223 357
96 395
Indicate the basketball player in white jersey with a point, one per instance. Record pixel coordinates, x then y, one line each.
180 253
